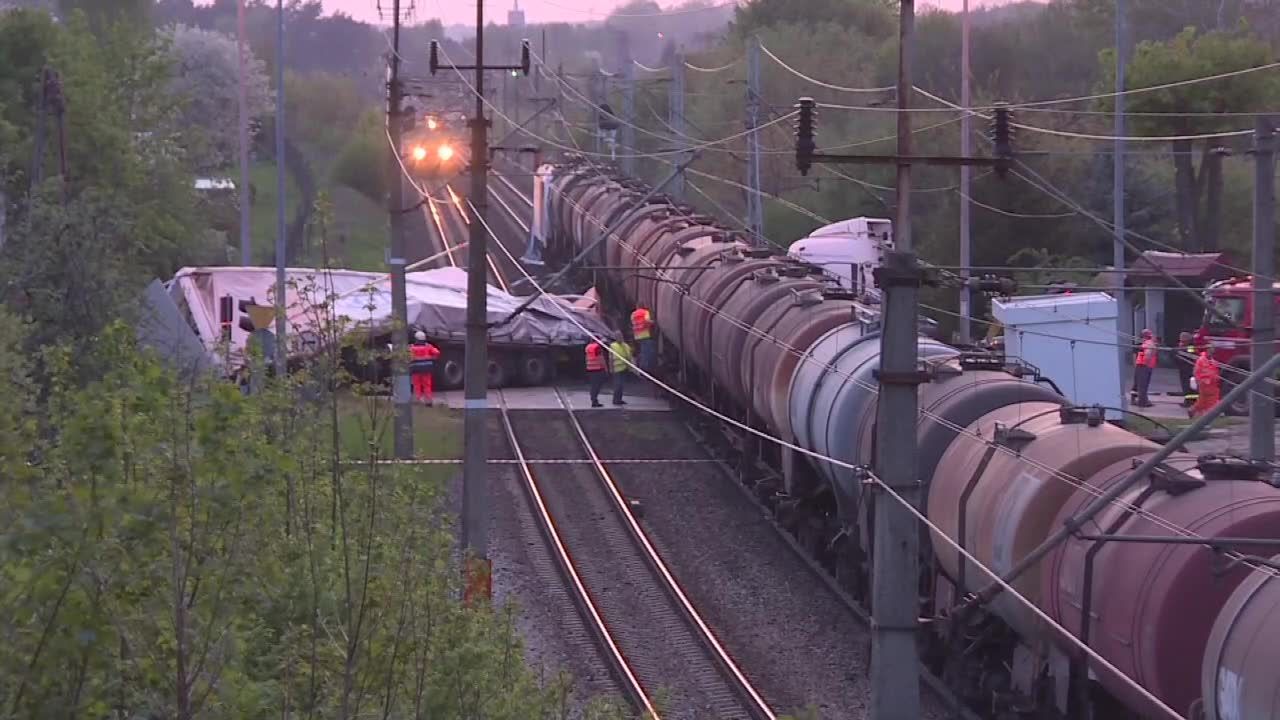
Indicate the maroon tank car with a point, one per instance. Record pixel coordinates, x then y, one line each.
1152 606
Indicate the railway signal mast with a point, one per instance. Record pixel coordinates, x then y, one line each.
895 679
475 505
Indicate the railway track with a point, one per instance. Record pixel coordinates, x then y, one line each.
646 627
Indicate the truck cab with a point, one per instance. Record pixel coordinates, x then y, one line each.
849 251
1228 327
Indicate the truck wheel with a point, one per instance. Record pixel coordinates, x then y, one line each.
535 369
497 374
450 371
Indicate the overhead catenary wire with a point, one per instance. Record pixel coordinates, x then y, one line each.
701 145
1042 103
712 70
1093 654
823 83
1083 136
861 182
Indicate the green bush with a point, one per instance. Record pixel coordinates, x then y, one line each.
361 164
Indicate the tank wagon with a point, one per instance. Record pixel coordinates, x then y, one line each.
1004 460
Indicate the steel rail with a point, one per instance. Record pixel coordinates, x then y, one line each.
582 598
429 209
756 704
460 212
511 186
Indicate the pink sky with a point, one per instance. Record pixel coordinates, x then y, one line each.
453 11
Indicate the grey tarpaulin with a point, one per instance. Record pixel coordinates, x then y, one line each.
437 302
162 328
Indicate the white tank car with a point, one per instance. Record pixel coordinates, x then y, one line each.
540 226
848 250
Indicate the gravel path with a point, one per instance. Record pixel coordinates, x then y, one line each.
797 642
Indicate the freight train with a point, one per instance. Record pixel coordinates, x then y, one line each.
435 146
1004 460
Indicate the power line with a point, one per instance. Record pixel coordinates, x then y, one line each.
822 83
722 68
1042 103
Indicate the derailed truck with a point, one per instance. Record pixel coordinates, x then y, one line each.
528 347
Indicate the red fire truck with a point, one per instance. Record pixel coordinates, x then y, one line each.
1228 327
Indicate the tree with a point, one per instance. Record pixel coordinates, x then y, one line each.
103 14
1190 110
206 77
361 165
875 18
181 550
80 246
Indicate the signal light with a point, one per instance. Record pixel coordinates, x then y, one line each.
1001 136
805 146
435 56
524 57
226 311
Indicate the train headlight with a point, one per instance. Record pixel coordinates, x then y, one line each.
419 153
445 153
432 124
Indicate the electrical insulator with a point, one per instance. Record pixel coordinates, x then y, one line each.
1002 136
805 146
435 56
524 57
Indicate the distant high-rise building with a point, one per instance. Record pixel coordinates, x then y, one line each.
515 16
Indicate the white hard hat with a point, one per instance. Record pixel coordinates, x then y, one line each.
420 336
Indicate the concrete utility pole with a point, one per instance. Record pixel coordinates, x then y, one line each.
966 181
475 478
629 116
400 391
1262 410
1124 312
675 116
755 208
475 470
246 195
282 356
895 671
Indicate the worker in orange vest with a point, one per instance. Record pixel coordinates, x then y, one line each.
422 366
1143 366
642 333
1208 383
597 371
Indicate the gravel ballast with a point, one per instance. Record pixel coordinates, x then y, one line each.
793 637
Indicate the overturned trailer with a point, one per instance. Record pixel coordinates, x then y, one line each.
525 348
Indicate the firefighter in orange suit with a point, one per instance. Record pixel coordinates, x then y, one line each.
597 371
1208 383
422 366
642 333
